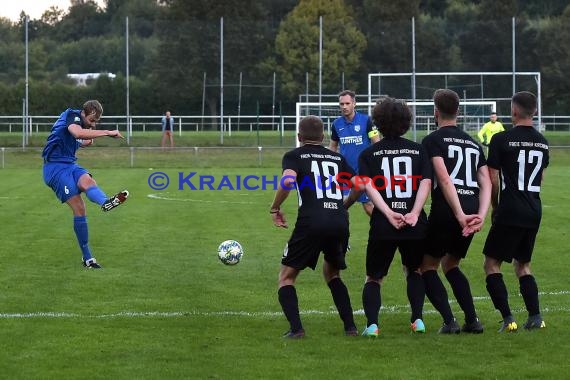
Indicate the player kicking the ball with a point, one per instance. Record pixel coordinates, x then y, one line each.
76 128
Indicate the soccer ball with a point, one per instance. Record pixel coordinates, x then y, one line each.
230 252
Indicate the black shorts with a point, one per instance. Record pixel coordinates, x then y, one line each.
305 246
380 253
506 243
447 238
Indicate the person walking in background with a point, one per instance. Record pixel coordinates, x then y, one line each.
490 128
402 180
167 129
517 161
351 134
74 129
459 203
322 223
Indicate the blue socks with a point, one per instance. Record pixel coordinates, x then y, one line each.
80 228
96 195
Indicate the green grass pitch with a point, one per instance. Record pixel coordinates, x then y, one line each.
165 307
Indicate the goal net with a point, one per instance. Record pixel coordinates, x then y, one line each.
473 114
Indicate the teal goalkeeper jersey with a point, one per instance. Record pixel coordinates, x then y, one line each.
353 136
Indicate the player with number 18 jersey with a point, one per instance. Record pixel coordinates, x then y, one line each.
322 219
321 226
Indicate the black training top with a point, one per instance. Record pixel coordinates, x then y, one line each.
396 166
521 155
318 188
462 157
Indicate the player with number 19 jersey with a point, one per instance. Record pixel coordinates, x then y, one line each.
462 157
521 155
396 166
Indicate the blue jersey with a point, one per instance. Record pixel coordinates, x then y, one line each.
353 136
61 144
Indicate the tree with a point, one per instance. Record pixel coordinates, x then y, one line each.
553 35
52 16
297 47
84 19
388 29
142 16
485 38
542 9
190 46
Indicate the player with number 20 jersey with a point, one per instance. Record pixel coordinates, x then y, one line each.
462 157
460 200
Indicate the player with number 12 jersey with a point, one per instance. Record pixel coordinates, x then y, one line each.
521 155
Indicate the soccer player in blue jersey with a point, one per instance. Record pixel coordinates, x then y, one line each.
352 133
74 129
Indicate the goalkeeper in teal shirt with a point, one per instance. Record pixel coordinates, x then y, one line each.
352 133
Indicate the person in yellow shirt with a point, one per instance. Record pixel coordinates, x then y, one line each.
489 129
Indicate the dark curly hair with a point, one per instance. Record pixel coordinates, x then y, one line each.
392 117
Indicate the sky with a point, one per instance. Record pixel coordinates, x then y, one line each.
34 8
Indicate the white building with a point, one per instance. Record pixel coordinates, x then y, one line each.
81 79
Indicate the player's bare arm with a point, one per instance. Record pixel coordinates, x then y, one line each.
333 145
356 190
448 189
484 183
88 134
411 218
396 219
495 188
287 182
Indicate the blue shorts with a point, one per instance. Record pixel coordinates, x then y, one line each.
63 179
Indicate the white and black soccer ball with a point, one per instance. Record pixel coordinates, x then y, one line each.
230 252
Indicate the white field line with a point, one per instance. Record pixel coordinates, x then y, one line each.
386 309
166 198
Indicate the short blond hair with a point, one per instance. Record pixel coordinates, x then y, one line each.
93 107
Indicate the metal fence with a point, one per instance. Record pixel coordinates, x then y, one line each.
154 157
244 123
